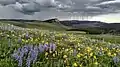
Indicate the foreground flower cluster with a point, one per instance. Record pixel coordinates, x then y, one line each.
30 53
41 48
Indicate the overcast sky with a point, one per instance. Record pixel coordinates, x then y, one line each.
99 10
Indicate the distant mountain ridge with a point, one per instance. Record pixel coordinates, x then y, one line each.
76 25
20 20
79 24
94 25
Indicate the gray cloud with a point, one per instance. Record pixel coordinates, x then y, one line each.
27 8
91 7
110 6
30 7
24 1
9 12
7 2
81 7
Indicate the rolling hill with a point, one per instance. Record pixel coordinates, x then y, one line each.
91 27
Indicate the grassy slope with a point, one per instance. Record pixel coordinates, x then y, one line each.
39 25
107 38
43 26
61 28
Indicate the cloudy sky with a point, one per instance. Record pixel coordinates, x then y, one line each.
98 10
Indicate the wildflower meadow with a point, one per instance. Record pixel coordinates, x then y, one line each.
25 47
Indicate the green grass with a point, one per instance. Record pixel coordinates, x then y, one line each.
61 28
107 38
39 25
73 49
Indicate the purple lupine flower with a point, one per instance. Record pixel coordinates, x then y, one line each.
52 47
20 61
27 36
25 49
19 56
33 54
116 60
15 55
46 47
41 48
30 47
36 48
36 54
19 50
29 58
28 61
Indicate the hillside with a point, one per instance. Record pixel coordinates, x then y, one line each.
26 47
35 24
91 27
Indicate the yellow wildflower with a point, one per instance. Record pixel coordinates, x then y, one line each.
36 40
46 53
78 48
66 50
113 48
13 35
94 57
80 65
7 35
42 41
114 54
96 63
109 53
53 55
71 51
88 49
47 58
26 41
91 54
65 56
50 51
56 52
78 55
23 40
32 39
75 64
46 43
